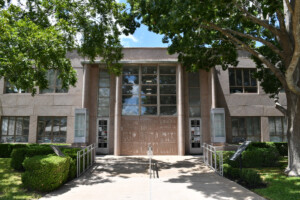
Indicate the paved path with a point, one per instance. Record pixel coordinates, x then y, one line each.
180 178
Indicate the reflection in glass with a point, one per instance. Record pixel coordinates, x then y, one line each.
149 110
194 111
168 110
104 82
149 70
168 99
104 92
149 89
4 125
167 70
130 89
103 101
130 70
168 89
103 111
149 99
193 80
167 79
130 79
149 79
130 110
130 99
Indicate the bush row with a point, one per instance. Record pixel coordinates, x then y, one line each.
45 173
248 176
7 148
282 147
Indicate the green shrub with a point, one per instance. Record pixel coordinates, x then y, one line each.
72 153
18 154
251 178
260 157
282 148
226 159
230 172
45 173
5 150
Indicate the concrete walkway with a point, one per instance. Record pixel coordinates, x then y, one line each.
122 178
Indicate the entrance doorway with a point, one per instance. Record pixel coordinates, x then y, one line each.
195 135
102 138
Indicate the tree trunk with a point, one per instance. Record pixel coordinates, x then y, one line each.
293 134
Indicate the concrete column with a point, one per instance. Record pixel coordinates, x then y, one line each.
213 88
264 129
117 125
32 137
180 118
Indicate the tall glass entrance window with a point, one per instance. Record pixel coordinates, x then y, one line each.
149 90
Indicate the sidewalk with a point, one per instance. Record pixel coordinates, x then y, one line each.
180 178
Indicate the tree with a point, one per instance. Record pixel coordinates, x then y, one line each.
207 33
37 34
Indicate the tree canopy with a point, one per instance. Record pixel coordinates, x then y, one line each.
37 34
207 33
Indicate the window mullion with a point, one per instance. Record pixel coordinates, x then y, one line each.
158 89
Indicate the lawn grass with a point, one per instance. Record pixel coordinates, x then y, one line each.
279 186
11 184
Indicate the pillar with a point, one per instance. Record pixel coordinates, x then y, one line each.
180 113
117 119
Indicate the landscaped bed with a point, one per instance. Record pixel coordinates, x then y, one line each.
263 171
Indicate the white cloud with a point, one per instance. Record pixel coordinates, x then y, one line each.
127 40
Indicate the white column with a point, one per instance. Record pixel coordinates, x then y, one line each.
180 113
117 124
213 88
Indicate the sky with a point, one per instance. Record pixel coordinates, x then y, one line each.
142 37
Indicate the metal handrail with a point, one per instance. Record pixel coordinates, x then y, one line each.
87 155
212 158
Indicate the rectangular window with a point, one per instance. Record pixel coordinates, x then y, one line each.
54 83
52 129
149 90
10 88
242 81
104 93
194 95
278 129
14 129
245 128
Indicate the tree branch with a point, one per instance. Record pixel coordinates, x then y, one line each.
269 44
248 15
281 108
246 47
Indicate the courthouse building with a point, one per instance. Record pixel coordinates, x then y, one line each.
155 101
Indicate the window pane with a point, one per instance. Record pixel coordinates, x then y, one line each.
61 90
103 111
149 99
249 126
7 139
149 110
250 89
193 80
130 99
104 92
246 77
104 82
167 70
253 80
51 78
41 128
149 79
26 122
4 125
167 79
168 99
11 128
130 70
235 126
236 90
104 74
272 126
21 139
194 101
168 89
149 70
242 126
194 112
55 128
103 101
168 110
130 110
19 125
232 77
130 79
195 92
130 89
238 77
275 139
278 124
149 89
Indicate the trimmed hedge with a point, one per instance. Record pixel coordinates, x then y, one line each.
45 173
282 148
18 155
260 157
248 176
72 153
